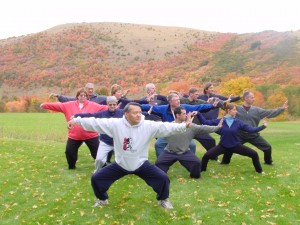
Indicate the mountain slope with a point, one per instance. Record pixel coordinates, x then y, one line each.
66 57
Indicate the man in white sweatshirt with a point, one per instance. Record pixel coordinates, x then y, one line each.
132 136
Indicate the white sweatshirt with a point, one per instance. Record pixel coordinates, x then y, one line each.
131 143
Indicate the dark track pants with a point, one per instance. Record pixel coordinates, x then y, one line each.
240 149
188 160
260 143
151 174
73 146
206 141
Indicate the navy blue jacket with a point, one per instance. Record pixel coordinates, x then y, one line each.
100 99
124 101
104 114
164 111
214 113
229 135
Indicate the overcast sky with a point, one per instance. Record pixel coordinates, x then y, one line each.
22 17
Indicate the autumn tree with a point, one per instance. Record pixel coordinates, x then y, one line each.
236 86
259 99
15 106
276 100
2 106
102 91
177 86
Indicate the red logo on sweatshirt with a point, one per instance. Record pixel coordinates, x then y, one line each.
127 144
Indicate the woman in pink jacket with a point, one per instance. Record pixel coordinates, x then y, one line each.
77 135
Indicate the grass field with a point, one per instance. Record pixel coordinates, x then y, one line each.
37 187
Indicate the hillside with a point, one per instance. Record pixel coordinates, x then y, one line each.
65 57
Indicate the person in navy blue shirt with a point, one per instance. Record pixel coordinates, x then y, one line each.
230 141
166 112
106 146
117 91
210 95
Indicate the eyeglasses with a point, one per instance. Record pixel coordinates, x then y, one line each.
82 95
112 104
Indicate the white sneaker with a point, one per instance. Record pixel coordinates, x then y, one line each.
165 203
100 203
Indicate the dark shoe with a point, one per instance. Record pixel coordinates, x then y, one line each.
72 167
269 163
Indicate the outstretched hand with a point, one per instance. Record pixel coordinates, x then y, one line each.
220 124
119 105
229 98
125 92
285 104
216 102
265 121
53 95
151 99
189 119
150 110
71 123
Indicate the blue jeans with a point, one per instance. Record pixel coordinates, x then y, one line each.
161 143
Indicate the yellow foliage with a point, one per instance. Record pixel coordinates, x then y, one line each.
236 86
276 100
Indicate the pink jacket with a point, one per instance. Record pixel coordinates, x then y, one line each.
70 109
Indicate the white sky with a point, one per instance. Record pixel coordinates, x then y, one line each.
21 17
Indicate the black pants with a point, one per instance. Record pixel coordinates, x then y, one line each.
240 149
207 141
260 143
188 159
153 176
73 146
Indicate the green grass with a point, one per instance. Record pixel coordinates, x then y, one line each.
37 187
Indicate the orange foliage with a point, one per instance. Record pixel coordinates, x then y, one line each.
176 86
15 106
25 104
214 42
259 99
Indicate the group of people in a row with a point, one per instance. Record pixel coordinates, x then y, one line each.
128 126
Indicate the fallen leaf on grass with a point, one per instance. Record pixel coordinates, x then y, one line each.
181 180
271 210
